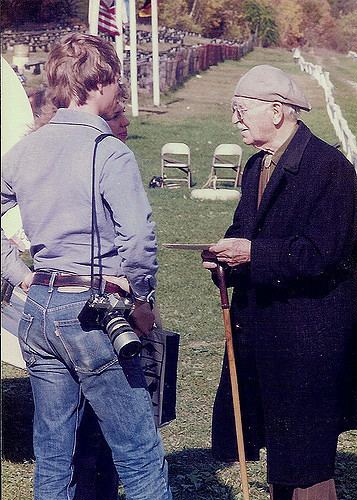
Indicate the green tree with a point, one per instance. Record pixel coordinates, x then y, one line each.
261 19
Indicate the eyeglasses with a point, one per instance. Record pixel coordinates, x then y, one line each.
239 111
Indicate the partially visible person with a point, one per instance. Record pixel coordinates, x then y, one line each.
48 174
38 99
288 256
119 123
43 110
119 126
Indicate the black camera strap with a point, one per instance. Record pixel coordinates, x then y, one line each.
94 227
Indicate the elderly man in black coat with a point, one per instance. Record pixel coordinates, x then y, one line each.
288 257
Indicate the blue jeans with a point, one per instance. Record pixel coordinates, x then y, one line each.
65 363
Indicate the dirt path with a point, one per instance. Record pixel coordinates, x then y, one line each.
210 92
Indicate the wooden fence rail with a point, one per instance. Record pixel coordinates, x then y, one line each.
177 65
343 132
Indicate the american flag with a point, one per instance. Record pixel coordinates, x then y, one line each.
107 21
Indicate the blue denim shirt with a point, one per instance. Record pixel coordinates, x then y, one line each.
48 174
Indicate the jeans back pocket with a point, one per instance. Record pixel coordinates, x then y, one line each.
88 352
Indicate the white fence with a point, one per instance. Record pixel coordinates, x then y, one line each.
343 132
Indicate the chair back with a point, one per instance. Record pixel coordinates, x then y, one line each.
177 148
176 155
228 150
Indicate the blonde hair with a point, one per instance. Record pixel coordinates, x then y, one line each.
76 65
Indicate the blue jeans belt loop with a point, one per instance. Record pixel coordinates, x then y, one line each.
51 282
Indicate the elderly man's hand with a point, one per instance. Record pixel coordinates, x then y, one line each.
232 251
209 260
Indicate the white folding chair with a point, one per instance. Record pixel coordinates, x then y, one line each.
176 155
225 156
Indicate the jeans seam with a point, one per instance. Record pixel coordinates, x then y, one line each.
65 306
35 304
74 442
162 462
58 333
99 370
51 348
50 293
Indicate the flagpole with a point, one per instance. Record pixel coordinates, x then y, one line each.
155 53
133 61
119 40
93 15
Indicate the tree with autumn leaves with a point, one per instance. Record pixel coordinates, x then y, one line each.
287 23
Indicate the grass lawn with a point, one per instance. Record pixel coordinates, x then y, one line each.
199 115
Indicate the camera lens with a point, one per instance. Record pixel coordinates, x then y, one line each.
125 341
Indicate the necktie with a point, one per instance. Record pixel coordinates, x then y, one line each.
265 174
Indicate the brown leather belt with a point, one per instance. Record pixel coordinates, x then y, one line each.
43 278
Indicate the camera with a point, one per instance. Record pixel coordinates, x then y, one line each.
110 314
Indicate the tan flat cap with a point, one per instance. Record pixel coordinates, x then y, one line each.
271 84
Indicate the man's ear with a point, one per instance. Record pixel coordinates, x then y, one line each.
278 113
100 88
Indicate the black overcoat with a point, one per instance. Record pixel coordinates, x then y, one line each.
291 313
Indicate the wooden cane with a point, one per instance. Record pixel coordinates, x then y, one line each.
234 379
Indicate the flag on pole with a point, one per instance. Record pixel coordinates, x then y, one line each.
145 10
107 20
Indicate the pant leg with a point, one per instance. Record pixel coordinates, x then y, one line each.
325 490
320 491
129 430
281 492
116 390
57 401
95 475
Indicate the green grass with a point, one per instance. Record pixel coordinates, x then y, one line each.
198 114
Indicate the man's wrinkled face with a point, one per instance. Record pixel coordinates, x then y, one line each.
254 119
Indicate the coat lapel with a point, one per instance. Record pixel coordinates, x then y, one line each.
289 163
